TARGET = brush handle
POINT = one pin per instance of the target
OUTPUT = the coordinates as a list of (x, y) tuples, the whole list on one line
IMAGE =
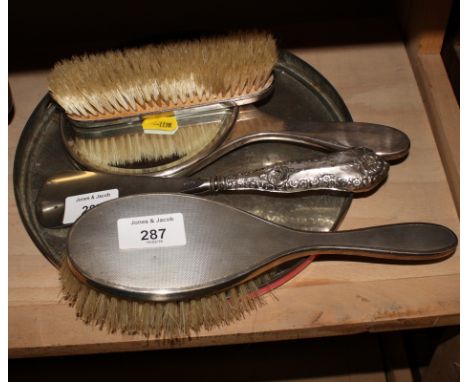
[(354, 170), (405, 241), (389, 143)]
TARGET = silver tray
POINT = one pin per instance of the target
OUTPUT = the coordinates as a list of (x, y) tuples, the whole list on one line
[(301, 95)]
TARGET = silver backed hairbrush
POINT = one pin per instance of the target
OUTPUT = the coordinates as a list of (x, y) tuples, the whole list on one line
[(165, 247), (207, 132), (160, 100)]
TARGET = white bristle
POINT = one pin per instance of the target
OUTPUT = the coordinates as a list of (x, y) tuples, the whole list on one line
[(166, 319), (138, 80), (132, 148)]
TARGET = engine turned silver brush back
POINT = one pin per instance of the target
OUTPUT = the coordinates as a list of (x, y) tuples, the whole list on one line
[(164, 247)]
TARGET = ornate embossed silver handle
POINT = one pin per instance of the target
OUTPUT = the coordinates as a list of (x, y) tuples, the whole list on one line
[(353, 170)]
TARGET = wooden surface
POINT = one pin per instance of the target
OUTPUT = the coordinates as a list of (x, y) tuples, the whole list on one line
[(329, 297), (424, 24), (443, 112)]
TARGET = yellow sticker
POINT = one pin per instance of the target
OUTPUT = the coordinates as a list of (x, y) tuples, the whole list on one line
[(165, 123)]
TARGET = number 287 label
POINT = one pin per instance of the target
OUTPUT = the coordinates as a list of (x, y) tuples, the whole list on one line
[(151, 231)]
